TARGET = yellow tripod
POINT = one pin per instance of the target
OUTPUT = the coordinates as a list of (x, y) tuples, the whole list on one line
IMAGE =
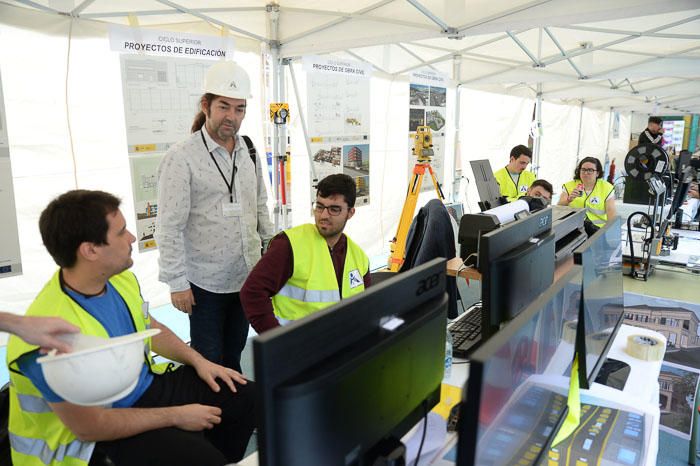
[(422, 149)]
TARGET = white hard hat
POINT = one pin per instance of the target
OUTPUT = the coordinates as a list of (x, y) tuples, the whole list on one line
[(227, 79), (98, 371)]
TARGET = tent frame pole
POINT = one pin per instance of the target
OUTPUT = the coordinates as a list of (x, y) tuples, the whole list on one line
[(538, 136), (580, 124)]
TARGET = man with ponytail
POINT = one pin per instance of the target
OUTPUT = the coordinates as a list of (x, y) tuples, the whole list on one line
[(213, 217)]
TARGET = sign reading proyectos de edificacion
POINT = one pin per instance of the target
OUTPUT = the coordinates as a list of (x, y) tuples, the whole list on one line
[(165, 43)]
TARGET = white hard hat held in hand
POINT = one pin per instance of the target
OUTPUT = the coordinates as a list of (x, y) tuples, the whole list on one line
[(227, 79), (98, 371)]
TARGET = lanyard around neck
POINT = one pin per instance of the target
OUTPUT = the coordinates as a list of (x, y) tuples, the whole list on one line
[(229, 185)]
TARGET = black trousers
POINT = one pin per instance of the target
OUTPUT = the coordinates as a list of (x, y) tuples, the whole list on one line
[(218, 327), (225, 443)]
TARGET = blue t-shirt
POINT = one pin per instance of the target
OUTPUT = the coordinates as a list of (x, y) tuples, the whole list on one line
[(111, 311)]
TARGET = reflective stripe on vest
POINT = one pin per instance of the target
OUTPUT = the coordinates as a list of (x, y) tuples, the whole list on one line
[(41, 450), (33, 404), (313, 285), (309, 296), (38, 435)]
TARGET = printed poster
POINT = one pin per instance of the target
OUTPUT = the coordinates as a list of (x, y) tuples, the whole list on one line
[(428, 107), (10, 260), (338, 109), (679, 322), (161, 97)]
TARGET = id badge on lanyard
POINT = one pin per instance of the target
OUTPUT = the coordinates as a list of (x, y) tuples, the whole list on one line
[(229, 208)]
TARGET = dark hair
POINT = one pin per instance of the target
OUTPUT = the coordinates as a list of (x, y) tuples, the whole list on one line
[(655, 119), (544, 184), (519, 150), (338, 184), (598, 167), (201, 117), (73, 218)]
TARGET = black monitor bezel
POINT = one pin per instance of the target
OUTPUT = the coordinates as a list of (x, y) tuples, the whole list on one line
[(425, 283), (586, 381), (499, 242)]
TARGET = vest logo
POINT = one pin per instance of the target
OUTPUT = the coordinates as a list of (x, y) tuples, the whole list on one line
[(523, 189), (355, 279), (595, 200)]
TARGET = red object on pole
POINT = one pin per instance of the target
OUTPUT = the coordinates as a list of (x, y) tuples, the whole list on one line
[(283, 184)]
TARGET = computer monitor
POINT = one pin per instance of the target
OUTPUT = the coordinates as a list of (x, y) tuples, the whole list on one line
[(683, 162), (516, 396), (603, 306), (486, 185), (516, 263), (341, 385)]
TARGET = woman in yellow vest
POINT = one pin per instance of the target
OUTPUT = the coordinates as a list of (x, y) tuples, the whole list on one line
[(588, 190)]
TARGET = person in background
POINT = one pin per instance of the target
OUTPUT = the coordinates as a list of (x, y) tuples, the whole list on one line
[(311, 266), (654, 132), (162, 420), (213, 217), (611, 175), (589, 190), (39, 331), (513, 180), (542, 189)]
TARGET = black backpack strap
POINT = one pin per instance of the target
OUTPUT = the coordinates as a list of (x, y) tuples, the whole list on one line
[(251, 150)]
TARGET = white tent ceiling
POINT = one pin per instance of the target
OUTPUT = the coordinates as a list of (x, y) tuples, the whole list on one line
[(634, 55)]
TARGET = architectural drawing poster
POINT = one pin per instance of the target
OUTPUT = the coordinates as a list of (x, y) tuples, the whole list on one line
[(338, 109), (161, 97), (428, 107), (10, 260)]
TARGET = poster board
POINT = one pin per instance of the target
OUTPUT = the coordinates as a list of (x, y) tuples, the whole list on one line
[(339, 120), (10, 259)]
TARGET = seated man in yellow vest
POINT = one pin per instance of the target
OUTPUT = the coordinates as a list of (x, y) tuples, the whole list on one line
[(161, 421), (308, 267), (512, 179)]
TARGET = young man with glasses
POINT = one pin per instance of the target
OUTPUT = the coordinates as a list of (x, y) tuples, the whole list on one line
[(589, 190), (311, 266)]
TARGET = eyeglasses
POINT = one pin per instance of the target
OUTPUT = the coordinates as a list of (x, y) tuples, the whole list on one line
[(588, 170), (333, 210)]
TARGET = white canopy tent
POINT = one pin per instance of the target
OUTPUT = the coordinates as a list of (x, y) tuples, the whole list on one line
[(586, 63)]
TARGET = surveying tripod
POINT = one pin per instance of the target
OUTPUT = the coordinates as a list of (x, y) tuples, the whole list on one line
[(422, 149)]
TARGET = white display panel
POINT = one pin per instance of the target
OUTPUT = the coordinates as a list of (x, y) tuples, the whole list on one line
[(10, 259), (338, 109)]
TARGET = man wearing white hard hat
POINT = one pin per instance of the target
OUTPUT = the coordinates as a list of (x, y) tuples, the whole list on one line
[(213, 217), (161, 419)]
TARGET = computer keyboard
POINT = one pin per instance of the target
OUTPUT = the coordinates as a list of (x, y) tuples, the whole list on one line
[(466, 332)]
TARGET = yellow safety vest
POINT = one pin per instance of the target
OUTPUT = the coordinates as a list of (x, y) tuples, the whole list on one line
[(37, 435), (509, 188), (313, 285), (593, 202)]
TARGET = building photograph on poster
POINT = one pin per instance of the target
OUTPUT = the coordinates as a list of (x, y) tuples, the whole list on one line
[(435, 120), (438, 96), (356, 160), (419, 94), (677, 385), (416, 118)]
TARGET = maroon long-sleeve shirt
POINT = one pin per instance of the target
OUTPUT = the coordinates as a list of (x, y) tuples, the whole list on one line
[(270, 274)]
